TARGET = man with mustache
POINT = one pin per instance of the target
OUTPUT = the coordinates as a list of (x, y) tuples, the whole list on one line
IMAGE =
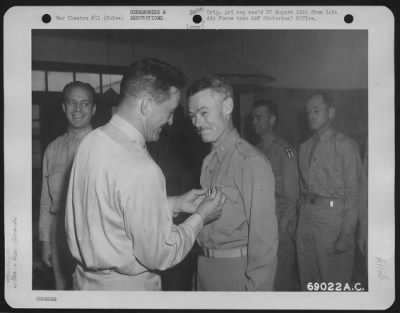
[(330, 166), (239, 250), (79, 107), (118, 217)]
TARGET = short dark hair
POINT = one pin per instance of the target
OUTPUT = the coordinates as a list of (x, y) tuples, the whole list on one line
[(326, 97), (270, 105), (153, 76), (213, 82), (79, 84)]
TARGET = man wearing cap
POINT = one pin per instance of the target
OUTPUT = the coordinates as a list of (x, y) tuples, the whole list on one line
[(238, 250), (329, 165)]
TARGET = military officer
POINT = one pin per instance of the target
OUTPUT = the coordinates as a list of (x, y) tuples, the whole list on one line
[(329, 165), (238, 250), (284, 166)]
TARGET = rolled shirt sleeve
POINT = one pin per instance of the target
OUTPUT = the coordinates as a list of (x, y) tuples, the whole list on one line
[(157, 242), (258, 190)]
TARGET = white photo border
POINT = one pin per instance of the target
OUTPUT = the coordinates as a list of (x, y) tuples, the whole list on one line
[(18, 25)]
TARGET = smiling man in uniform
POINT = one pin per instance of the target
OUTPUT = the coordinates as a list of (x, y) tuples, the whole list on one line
[(239, 249)]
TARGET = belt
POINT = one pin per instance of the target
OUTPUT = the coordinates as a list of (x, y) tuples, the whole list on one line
[(323, 201), (229, 253)]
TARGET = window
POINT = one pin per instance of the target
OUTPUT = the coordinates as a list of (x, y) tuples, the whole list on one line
[(91, 78), (35, 112), (38, 80), (57, 80), (36, 143), (111, 81), (48, 81)]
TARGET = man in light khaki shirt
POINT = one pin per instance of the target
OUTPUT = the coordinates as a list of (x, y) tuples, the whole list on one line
[(79, 108), (118, 217), (239, 250), (330, 166)]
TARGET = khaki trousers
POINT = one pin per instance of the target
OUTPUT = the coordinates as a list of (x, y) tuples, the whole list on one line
[(285, 277), (221, 274), (318, 228), (62, 260)]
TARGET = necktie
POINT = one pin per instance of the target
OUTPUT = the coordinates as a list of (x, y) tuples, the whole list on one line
[(211, 165), (316, 140)]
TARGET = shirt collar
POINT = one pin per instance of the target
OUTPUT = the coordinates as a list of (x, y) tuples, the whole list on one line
[(128, 129), (226, 144), (325, 135), (267, 140), (80, 134)]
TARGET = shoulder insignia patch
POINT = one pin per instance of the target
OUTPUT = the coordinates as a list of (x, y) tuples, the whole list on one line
[(290, 152)]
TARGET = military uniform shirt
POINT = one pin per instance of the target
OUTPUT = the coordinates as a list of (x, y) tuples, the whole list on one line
[(330, 168), (57, 162), (284, 166), (248, 216)]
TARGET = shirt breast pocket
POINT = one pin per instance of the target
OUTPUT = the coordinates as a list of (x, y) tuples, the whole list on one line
[(233, 211), (231, 193)]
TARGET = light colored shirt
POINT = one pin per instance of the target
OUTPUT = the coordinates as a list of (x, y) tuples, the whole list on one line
[(118, 217), (283, 161), (330, 167), (57, 162), (248, 216)]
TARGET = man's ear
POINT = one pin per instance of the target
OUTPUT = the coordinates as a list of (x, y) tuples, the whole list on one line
[(331, 112), (94, 107), (227, 106), (63, 107), (144, 104)]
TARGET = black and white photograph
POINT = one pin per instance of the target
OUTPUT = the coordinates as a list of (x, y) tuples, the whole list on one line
[(201, 162)]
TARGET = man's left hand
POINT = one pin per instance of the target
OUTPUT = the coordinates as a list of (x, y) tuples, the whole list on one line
[(343, 243)]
